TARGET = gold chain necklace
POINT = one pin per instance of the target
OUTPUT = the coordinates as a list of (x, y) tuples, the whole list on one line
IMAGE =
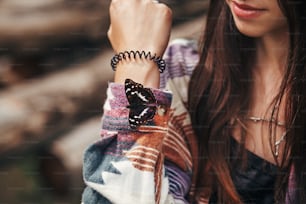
[(277, 143), (258, 119)]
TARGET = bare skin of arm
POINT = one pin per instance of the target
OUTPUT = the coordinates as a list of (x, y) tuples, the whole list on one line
[(142, 25)]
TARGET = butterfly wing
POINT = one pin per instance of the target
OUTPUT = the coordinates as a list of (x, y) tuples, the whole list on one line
[(141, 114), (137, 94), (142, 103)]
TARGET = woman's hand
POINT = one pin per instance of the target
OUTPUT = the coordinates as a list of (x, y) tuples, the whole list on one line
[(139, 25)]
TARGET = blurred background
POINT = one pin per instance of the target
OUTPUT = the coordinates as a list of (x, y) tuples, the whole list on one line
[(54, 69)]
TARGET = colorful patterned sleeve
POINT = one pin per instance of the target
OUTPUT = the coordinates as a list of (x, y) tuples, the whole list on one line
[(151, 164)]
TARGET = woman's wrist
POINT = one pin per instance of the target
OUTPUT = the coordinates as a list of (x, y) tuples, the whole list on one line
[(142, 71)]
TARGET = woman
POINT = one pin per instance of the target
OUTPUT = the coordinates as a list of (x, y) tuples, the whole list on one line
[(245, 102)]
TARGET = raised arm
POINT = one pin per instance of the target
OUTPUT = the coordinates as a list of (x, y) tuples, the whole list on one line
[(151, 163)]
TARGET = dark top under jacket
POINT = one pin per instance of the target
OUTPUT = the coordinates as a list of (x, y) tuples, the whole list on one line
[(255, 181)]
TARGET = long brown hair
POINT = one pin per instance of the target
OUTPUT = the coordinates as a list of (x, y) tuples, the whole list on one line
[(219, 89)]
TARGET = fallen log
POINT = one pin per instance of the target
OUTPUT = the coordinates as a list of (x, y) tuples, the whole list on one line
[(40, 109)]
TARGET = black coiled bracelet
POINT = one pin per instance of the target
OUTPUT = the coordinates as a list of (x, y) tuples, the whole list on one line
[(140, 54)]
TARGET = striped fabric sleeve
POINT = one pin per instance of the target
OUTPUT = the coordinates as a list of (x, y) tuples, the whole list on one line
[(127, 166)]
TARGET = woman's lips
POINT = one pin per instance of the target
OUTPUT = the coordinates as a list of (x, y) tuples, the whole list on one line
[(246, 11)]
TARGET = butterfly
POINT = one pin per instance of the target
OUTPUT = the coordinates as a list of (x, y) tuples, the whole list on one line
[(142, 103)]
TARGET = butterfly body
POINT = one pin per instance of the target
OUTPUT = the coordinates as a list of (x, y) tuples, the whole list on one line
[(142, 103)]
